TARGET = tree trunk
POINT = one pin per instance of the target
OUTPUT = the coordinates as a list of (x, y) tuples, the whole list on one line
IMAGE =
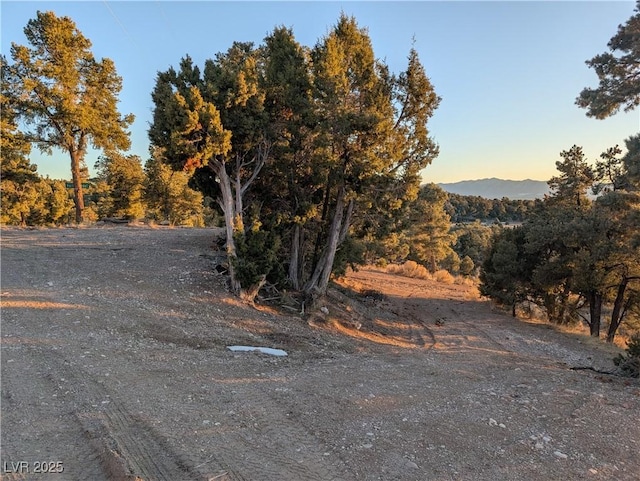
[(564, 300), (238, 199), (346, 222), (550, 306), (249, 295), (616, 314), (433, 266), (323, 218), (595, 312), (294, 259), (320, 278), (230, 218), (78, 197), (232, 192)]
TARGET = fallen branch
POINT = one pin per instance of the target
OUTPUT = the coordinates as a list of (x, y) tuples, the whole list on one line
[(589, 368)]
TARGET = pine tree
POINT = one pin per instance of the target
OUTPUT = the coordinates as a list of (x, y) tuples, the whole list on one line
[(66, 95), (618, 72), (125, 180)]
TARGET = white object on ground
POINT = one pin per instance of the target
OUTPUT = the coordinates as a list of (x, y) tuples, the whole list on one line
[(264, 350)]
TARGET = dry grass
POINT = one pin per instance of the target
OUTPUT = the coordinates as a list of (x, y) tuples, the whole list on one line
[(444, 276), (465, 281), (409, 269), (417, 271)]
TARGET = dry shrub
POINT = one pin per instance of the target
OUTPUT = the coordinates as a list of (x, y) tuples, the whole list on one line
[(464, 281), (393, 269), (444, 276), (472, 294), (409, 269)]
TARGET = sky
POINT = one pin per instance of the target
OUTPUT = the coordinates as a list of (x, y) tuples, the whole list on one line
[(508, 72)]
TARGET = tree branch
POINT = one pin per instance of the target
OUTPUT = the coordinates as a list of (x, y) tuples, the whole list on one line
[(261, 159)]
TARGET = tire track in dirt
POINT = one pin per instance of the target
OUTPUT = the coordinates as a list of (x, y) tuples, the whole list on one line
[(395, 324), (126, 445), (413, 319), (34, 407), (221, 417), (269, 444), (258, 447), (464, 334), (430, 323)]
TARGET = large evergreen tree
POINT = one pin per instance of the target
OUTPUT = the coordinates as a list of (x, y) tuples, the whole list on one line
[(64, 96), (374, 138), (287, 195), (297, 144), (618, 73), (215, 122)]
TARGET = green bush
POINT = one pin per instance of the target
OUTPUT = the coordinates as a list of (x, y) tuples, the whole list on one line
[(349, 254), (629, 364), (256, 252)]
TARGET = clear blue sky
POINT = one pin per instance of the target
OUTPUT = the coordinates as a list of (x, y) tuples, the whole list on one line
[(508, 72)]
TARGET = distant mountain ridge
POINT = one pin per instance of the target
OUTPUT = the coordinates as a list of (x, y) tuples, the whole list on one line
[(498, 188)]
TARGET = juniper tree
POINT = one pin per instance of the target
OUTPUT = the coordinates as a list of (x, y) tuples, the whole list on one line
[(169, 198), (507, 269), (373, 135), (215, 122)]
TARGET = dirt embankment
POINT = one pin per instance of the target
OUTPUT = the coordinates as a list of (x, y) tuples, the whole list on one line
[(115, 366)]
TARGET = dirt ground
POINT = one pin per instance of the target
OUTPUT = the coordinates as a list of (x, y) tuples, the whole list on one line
[(115, 367)]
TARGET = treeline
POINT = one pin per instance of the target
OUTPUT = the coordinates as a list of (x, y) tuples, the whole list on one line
[(468, 208), (573, 256), (423, 232), (123, 189)]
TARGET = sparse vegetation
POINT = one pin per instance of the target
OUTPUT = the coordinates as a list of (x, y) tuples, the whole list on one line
[(629, 363), (123, 340), (409, 269), (417, 271), (443, 276)]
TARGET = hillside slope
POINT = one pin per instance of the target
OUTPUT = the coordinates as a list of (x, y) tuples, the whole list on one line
[(115, 364), (498, 188)]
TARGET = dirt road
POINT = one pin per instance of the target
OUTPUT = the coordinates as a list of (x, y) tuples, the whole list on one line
[(115, 366)]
